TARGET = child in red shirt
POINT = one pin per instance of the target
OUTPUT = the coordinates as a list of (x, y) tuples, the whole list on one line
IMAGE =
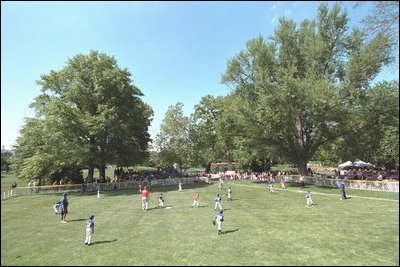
[(145, 198), (196, 200)]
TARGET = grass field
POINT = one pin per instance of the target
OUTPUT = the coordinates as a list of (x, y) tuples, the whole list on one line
[(260, 228)]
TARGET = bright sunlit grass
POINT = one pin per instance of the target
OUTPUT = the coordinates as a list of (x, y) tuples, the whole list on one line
[(260, 228)]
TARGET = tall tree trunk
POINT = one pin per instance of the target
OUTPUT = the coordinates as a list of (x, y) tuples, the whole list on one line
[(102, 173), (301, 164), (90, 174), (208, 167), (301, 146)]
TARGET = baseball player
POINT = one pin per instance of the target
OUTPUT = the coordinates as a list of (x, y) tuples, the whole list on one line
[(309, 199), (229, 194), (218, 200), (301, 180), (98, 191), (282, 182), (218, 219), (63, 207), (342, 190), (180, 186), (221, 184), (160, 201), (271, 187), (56, 207), (196, 200), (145, 198), (89, 230)]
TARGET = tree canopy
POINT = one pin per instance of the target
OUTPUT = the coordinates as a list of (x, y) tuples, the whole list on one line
[(298, 86), (89, 113), (293, 93)]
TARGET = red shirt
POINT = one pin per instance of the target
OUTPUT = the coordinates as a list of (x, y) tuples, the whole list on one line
[(145, 193), (196, 197)]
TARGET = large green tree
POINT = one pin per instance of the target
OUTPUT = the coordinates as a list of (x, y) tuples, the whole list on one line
[(211, 131), (371, 129), (88, 113), (297, 88), (172, 142)]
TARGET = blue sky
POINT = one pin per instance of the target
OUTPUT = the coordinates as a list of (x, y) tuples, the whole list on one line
[(175, 51)]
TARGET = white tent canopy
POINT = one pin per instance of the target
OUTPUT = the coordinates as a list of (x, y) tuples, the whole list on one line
[(346, 164), (361, 163)]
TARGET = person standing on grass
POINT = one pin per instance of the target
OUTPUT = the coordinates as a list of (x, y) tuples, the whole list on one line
[(84, 187), (196, 200), (271, 187), (180, 186), (13, 186), (229, 194), (218, 219), (160, 201), (89, 230), (342, 190), (301, 181), (145, 198), (56, 208), (282, 182), (218, 200), (63, 207), (98, 191), (309, 199), (221, 184)]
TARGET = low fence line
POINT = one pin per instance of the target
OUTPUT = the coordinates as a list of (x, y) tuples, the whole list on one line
[(385, 186), (92, 187)]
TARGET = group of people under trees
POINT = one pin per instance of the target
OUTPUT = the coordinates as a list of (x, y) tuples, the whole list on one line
[(161, 173), (358, 174)]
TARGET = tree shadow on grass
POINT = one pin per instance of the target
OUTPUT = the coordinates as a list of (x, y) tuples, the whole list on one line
[(77, 220), (105, 241), (155, 208), (230, 231)]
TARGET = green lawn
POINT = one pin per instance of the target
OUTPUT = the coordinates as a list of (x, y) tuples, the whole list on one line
[(260, 228)]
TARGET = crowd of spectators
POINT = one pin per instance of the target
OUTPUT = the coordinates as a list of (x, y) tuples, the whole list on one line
[(366, 174), (254, 176), (121, 175)]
